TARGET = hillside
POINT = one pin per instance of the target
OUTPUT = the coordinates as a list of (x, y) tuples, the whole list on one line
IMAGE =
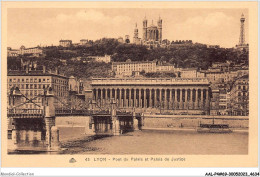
[(192, 55)]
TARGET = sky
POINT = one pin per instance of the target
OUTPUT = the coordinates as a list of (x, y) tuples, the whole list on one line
[(46, 26)]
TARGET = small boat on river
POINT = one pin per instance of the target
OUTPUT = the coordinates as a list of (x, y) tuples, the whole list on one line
[(214, 128)]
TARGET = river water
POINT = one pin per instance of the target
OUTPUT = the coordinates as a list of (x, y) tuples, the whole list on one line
[(153, 142)]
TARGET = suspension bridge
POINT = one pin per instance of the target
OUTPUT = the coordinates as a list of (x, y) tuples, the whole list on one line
[(40, 120)]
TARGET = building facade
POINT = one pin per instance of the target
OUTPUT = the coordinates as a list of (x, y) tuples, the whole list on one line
[(177, 96), (65, 43), (83, 42), (35, 51), (164, 68), (128, 68), (33, 83), (239, 97), (191, 73)]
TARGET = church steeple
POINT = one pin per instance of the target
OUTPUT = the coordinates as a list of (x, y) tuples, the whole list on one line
[(145, 28), (136, 31), (159, 23)]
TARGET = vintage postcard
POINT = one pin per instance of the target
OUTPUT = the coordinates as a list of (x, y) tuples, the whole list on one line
[(129, 84)]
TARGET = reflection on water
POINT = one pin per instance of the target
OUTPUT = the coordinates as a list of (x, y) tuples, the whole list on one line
[(162, 142), (172, 142)]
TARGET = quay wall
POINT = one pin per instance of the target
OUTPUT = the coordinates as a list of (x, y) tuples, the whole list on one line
[(176, 122)]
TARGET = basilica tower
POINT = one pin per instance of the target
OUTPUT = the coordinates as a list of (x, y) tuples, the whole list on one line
[(136, 39), (136, 31), (145, 29), (159, 29)]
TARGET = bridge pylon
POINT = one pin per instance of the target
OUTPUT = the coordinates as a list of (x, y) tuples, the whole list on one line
[(52, 132), (115, 119)]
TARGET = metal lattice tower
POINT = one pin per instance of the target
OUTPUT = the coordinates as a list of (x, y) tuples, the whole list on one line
[(242, 31)]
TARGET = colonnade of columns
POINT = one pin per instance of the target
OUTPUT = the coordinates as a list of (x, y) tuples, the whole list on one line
[(165, 98)]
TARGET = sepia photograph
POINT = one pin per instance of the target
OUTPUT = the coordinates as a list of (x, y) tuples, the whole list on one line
[(103, 80)]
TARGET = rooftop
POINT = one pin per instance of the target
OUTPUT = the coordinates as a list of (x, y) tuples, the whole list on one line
[(149, 81), (32, 73)]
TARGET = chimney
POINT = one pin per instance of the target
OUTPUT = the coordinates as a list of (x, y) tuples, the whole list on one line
[(56, 71), (44, 69), (27, 69)]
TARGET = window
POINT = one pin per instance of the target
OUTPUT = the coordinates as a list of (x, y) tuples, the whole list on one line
[(31, 86), (22, 80), (39, 86), (10, 80), (22, 86), (35, 86), (40, 80), (27, 86)]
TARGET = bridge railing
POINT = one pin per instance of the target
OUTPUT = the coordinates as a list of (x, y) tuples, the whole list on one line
[(25, 113), (60, 112)]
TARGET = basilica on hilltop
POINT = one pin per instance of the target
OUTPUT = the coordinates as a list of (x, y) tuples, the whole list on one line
[(152, 34)]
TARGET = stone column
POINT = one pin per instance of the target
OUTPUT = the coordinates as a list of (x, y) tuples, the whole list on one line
[(135, 104), (140, 99), (130, 98), (120, 97), (155, 98), (196, 98), (160, 99), (101, 97), (175, 99), (116, 96), (125, 100), (186, 99), (150, 98), (105, 99), (94, 94), (145, 99), (201, 99), (111, 94), (207, 102), (170, 100), (181, 102), (165, 98), (191, 99), (107, 95)]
